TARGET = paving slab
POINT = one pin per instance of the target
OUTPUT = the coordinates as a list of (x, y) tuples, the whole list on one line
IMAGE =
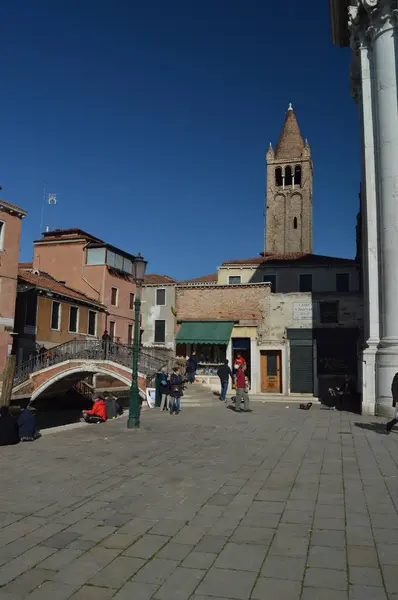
[(211, 505)]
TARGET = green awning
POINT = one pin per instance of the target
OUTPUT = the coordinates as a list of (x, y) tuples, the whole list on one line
[(205, 332)]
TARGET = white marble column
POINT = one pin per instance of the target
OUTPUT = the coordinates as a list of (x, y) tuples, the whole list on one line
[(384, 32), (370, 227)]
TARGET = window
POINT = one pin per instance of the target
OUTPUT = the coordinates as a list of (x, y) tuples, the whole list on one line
[(305, 283), (295, 223), (329, 312), (132, 301), (130, 335), (278, 177), (342, 282), (160, 332), (2, 234), (288, 176), (56, 316), (161, 297), (127, 265), (95, 256), (297, 175), (234, 279), (92, 323), (73, 319), (114, 296), (272, 280), (112, 329)]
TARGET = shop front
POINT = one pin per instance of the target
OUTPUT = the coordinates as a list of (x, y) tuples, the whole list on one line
[(210, 340)]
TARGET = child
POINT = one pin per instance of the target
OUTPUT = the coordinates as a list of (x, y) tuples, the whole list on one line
[(175, 391)]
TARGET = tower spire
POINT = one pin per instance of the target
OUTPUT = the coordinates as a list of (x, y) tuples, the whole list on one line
[(291, 143)]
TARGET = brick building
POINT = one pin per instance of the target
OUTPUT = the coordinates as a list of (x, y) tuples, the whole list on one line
[(98, 270), (49, 313), (10, 229)]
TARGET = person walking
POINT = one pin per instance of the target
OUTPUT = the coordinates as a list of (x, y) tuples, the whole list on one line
[(175, 391), (394, 392), (224, 372), (164, 388), (192, 365), (242, 390)]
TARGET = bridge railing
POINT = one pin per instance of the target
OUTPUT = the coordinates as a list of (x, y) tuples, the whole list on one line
[(93, 350)]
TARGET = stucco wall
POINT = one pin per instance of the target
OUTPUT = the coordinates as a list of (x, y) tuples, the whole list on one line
[(45, 335), (287, 278), (8, 281), (151, 312), (65, 261)]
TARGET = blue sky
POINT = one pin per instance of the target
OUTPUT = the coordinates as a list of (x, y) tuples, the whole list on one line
[(150, 120)]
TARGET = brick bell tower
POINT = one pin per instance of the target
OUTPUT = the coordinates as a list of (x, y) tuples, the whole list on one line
[(288, 226)]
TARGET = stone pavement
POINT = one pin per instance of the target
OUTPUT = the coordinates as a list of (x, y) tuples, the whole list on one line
[(279, 504)]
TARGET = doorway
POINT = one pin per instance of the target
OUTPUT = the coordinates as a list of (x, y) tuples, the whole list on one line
[(271, 371)]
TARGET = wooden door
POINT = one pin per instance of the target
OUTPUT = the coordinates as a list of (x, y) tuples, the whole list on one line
[(271, 372)]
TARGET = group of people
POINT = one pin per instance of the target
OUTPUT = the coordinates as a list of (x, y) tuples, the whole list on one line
[(105, 406), (171, 390), (14, 430), (240, 383)]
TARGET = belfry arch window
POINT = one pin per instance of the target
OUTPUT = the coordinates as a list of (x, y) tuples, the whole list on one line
[(297, 175), (278, 177), (295, 223), (288, 176)]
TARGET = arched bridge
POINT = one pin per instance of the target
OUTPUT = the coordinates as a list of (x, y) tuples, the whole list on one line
[(62, 367)]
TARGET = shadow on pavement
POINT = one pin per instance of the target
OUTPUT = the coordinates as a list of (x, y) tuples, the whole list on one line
[(376, 427)]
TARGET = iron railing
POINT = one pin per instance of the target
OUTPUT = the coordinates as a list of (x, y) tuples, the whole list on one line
[(93, 350)]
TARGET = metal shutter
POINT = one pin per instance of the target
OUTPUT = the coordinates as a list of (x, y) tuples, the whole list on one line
[(301, 369)]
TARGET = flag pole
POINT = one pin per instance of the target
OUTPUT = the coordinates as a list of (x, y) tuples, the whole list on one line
[(42, 210)]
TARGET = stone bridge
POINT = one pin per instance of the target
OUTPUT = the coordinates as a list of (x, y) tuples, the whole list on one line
[(64, 366)]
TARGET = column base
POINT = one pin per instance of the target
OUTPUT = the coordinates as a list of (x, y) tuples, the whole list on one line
[(386, 367), (369, 378)]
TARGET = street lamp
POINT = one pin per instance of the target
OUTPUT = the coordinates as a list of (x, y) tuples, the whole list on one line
[(139, 266)]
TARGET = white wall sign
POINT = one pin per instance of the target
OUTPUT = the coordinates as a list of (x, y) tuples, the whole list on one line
[(302, 310)]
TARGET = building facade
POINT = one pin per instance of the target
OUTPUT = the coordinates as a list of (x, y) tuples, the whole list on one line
[(98, 270), (10, 230), (49, 313), (370, 28), (158, 311), (289, 192)]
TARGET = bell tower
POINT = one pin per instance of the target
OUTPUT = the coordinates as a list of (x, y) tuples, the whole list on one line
[(288, 227)]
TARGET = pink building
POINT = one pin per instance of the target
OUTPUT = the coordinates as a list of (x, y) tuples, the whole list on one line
[(99, 270), (10, 230)]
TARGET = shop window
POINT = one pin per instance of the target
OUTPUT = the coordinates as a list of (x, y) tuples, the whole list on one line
[(278, 177), (114, 296), (56, 316), (92, 323), (73, 319), (160, 332), (342, 282), (160, 297), (329, 312), (234, 279), (306, 283)]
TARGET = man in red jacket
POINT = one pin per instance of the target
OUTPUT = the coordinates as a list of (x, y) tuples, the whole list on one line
[(97, 414), (241, 390)]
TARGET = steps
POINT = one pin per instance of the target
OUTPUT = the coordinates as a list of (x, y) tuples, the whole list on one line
[(198, 395)]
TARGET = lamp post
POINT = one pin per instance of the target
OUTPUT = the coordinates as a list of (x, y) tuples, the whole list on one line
[(139, 266)]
